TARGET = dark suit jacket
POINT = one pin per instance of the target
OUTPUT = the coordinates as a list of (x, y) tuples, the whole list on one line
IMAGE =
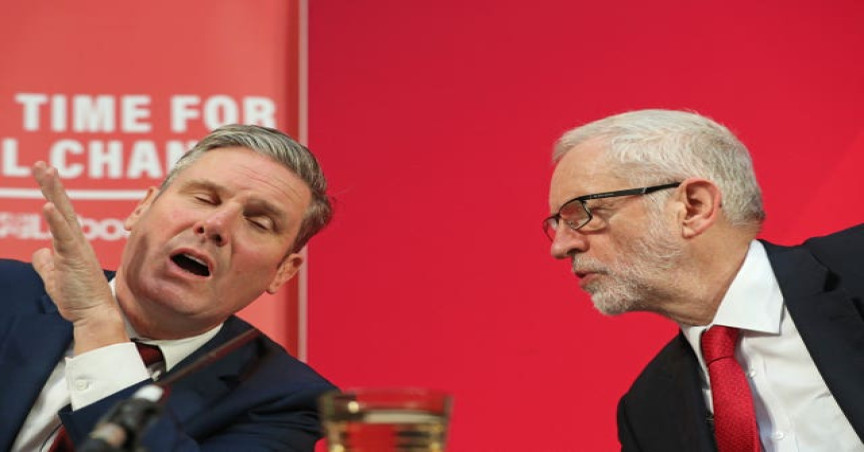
[(822, 282), (256, 398)]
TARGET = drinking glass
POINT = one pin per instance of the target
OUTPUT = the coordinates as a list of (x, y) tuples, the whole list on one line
[(385, 420)]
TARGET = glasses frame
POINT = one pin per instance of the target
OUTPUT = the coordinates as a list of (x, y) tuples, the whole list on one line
[(552, 222)]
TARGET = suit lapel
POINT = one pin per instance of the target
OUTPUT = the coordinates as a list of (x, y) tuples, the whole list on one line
[(194, 393), (666, 403), (32, 345), (830, 323), (685, 402)]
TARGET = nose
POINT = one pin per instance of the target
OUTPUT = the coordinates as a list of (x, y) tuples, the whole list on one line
[(216, 226), (568, 242)]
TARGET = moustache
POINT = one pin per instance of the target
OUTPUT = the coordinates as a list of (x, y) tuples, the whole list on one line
[(584, 264)]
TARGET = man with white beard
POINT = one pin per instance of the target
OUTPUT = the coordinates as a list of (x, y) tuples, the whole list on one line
[(659, 211)]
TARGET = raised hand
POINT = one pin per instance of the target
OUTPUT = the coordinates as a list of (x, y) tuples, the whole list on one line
[(71, 272)]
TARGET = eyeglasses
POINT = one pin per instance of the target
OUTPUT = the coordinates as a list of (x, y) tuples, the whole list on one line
[(576, 214)]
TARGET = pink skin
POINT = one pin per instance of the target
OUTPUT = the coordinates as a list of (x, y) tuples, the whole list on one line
[(235, 211), (71, 273), (581, 172), (618, 259)]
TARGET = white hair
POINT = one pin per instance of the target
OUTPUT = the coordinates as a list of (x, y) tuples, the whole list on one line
[(657, 146)]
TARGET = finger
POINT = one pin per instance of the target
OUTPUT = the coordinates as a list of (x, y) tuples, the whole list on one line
[(65, 235), (58, 212), (53, 191)]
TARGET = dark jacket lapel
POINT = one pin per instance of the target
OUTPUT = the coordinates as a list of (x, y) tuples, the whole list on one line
[(665, 407), (194, 393)]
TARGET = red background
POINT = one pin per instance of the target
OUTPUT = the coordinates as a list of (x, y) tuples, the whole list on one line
[(434, 122)]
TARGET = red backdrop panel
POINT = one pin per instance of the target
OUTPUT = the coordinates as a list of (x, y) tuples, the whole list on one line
[(112, 93), (435, 121)]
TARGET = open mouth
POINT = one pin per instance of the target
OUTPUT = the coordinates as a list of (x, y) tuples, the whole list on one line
[(191, 264)]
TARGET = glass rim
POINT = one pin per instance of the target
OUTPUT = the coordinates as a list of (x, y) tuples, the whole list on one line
[(364, 398)]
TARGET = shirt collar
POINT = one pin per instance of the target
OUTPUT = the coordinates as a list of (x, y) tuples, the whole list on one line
[(753, 301)]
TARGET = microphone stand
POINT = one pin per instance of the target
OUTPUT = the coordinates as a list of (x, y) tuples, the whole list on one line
[(122, 426)]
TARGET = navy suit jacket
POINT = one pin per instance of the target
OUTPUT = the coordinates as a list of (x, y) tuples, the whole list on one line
[(256, 398), (822, 282)]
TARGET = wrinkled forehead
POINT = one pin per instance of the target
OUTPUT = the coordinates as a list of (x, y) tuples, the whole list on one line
[(582, 170)]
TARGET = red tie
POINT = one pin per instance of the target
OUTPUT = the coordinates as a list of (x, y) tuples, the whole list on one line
[(734, 419), (150, 354)]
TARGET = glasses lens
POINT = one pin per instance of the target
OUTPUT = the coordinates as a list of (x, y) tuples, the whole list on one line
[(574, 214)]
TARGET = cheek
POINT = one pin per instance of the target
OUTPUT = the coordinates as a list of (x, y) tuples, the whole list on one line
[(605, 248), (163, 216), (178, 216), (616, 253), (259, 260)]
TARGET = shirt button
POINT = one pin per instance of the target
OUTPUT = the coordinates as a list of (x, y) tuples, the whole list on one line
[(751, 373), (778, 436), (81, 385)]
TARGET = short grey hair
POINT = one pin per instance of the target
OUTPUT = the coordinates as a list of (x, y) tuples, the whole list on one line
[(657, 146), (282, 149)]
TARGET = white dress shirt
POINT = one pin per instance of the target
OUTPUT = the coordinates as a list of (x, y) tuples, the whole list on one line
[(87, 378), (794, 408)]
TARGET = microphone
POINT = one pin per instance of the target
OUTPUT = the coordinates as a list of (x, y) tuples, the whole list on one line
[(122, 427), (119, 430)]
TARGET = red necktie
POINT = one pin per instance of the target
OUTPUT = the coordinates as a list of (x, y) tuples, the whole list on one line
[(734, 418), (150, 354)]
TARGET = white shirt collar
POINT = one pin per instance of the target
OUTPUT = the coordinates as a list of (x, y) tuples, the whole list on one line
[(753, 301)]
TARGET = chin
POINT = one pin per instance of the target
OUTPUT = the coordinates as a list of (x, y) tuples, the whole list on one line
[(611, 309), (168, 298), (612, 304)]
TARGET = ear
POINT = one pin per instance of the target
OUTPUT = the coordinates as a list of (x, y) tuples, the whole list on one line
[(142, 207), (287, 269), (702, 201)]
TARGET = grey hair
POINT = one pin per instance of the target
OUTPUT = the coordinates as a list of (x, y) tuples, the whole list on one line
[(283, 150), (656, 146)]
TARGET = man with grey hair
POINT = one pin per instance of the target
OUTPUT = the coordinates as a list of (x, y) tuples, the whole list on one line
[(228, 224), (658, 211)]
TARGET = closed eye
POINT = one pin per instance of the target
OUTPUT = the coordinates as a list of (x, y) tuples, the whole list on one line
[(263, 224), (206, 199)]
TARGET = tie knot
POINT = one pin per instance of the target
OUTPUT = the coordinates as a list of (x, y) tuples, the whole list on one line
[(150, 354), (719, 342)]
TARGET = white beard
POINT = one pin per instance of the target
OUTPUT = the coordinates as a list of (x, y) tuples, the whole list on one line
[(631, 282)]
